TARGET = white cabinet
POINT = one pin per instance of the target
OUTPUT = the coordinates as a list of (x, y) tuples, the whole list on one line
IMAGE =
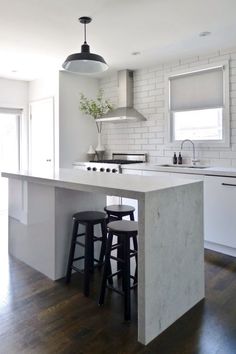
[(220, 210)]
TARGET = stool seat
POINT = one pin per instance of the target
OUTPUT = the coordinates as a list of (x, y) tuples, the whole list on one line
[(91, 216), (123, 226), (119, 208)]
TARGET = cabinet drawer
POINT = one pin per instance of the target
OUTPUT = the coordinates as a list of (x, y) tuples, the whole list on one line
[(220, 210)]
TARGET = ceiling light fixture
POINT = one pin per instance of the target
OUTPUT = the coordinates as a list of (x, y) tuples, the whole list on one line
[(85, 62)]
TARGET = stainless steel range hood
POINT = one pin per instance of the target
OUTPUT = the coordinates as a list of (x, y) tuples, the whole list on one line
[(125, 111)]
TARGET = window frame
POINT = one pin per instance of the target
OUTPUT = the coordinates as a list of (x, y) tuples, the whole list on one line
[(18, 112), (225, 142)]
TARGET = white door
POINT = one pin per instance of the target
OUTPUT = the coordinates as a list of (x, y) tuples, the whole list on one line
[(42, 134)]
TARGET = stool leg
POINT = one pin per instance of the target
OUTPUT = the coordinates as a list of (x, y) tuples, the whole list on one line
[(108, 217), (126, 276), (104, 240), (91, 248), (119, 253), (87, 260), (106, 270), (72, 251), (131, 215), (136, 259)]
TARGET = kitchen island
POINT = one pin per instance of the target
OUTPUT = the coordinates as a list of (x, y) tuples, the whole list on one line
[(170, 217)]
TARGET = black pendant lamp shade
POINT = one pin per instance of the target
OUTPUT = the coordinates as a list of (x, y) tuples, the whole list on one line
[(85, 62)]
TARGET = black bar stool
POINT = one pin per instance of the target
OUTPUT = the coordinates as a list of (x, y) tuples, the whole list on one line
[(124, 230), (89, 219), (118, 211)]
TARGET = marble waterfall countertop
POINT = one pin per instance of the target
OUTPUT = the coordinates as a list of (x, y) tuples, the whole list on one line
[(170, 236), (199, 170), (132, 186)]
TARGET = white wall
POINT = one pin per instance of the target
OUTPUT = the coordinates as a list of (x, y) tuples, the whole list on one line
[(46, 87), (150, 98), (14, 94), (77, 131)]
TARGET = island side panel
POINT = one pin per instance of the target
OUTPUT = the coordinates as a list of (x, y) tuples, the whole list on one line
[(40, 223), (171, 257), (68, 202), (31, 225)]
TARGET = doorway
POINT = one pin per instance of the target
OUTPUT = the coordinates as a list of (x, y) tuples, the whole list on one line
[(10, 122)]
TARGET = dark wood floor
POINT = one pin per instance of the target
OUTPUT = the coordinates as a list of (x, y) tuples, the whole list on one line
[(44, 317)]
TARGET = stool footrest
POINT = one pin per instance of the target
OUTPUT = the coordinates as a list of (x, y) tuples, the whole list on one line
[(82, 234), (114, 274), (77, 269), (78, 258), (80, 243), (114, 247), (117, 259)]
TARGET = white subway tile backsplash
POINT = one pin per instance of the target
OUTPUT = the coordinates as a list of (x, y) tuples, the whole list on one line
[(148, 147), (141, 141), (150, 98), (148, 135)]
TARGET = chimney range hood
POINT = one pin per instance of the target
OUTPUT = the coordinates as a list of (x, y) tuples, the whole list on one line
[(125, 111)]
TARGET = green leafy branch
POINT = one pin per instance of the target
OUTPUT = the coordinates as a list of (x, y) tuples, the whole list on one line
[(95, 108)]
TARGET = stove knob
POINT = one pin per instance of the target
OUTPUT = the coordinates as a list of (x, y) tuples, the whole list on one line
[(94, 169), (102, 169), (89, 168), (114, 170), (108, 170)]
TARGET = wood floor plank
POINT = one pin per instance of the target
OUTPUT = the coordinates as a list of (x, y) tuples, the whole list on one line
[(39, 316)]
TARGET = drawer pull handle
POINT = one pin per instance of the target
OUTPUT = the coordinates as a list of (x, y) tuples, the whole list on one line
[(228, 184)]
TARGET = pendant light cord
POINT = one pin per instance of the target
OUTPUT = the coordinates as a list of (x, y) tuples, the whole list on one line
[(85, 32)]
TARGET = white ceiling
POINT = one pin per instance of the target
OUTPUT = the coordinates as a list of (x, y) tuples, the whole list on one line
[(37, 35)]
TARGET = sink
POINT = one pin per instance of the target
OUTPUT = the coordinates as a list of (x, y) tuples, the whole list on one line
[(183, 166)]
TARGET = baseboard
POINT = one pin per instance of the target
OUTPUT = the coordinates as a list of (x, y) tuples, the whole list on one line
[(220, 248)]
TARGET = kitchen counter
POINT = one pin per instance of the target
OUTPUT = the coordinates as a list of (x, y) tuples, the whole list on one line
[(206, 171), (170, 216), (112, 184)]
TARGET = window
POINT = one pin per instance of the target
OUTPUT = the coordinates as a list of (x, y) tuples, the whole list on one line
[(198, 105)]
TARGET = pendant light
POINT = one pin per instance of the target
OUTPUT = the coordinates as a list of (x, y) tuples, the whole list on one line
[(85, 62)]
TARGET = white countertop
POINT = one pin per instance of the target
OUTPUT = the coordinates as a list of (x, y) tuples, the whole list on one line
[(132, 186), (208, 171)]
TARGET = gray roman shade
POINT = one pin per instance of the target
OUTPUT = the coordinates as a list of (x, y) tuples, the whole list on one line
[(197, 90)]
